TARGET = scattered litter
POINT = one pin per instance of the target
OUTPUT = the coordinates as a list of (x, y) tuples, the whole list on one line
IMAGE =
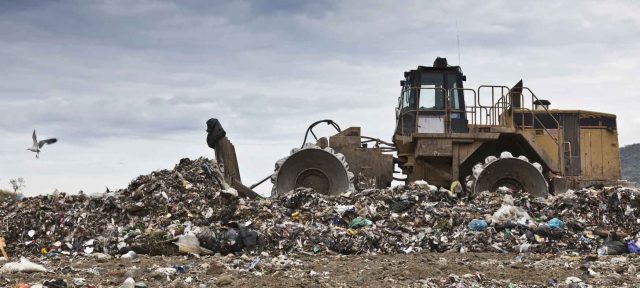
[(360, 222), (128, 283), (23, 266), (189, 244), (55, 283), (130, 255), (555, 223), (169, 212), (254, 263), (477, 225), (632, 246), (79, 282)]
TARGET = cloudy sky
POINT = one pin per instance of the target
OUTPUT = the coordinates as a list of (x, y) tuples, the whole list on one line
[(127, 86)]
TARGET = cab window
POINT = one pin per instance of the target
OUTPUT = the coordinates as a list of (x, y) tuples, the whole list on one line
[(455, 94), (431, 94), (407, 98)]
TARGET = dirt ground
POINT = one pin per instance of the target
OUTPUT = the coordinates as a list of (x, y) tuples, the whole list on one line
[(402, 270)]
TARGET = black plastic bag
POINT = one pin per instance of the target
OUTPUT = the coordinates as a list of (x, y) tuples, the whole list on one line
[(214, 132)]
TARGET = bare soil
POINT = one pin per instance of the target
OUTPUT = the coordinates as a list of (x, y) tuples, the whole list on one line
[(401, 270)]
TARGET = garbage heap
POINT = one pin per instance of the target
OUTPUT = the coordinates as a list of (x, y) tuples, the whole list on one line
[(191, 210), (146, 215)]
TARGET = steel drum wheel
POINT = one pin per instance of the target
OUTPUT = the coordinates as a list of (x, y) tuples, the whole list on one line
[(517, 174), (312, 167)]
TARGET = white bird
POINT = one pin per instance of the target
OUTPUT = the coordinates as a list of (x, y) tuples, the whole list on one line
[(37, 145)]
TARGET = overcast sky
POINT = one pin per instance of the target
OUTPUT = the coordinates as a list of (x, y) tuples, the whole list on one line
[(127, 86)]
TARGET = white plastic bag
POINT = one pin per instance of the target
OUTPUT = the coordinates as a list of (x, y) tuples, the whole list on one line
[(509, 212), (23, 266), (189, 244)]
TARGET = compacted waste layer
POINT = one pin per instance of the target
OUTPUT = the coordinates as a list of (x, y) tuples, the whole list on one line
[(191, 210)]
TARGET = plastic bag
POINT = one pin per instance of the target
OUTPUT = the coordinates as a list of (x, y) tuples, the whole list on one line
[(360, 222), (508, 212), (189, 244), (215, 132), (632, 246), (555, 223), (477, 225), (23, 266)]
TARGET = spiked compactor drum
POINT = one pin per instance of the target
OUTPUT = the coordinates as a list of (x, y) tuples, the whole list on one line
[(312, 167), (517, 174)]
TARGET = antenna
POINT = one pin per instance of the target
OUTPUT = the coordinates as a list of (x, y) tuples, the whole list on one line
[(458, 38)]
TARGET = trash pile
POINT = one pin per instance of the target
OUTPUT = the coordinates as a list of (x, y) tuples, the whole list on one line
[(145, 216), (191, 210)]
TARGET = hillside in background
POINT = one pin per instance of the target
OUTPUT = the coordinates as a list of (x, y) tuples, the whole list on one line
[(630, 162), (4, 194)]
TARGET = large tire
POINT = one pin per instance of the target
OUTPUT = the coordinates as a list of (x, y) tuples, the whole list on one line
[(507, 171)]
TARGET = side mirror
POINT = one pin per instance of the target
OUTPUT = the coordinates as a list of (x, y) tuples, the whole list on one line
[(397, 113)]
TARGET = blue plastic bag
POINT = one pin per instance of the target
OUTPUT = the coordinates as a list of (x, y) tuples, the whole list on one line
[(477, 225), (633, 247), (555, 223)]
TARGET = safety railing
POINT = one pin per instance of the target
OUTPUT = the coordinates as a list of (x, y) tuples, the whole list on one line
[(534, 119), (500, 112), (478, 110), (497, 108)]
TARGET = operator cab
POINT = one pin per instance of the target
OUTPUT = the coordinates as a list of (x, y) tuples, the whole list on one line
[(432, 100)]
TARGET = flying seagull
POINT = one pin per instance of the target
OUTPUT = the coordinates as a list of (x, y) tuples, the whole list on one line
[(37, 145)]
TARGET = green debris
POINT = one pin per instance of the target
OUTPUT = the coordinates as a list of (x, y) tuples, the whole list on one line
[(360, 222)]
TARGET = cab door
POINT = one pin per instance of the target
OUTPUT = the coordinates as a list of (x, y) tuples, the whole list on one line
[(432, 103)]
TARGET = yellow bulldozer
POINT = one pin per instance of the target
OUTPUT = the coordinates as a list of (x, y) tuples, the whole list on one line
[(471, 140)]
